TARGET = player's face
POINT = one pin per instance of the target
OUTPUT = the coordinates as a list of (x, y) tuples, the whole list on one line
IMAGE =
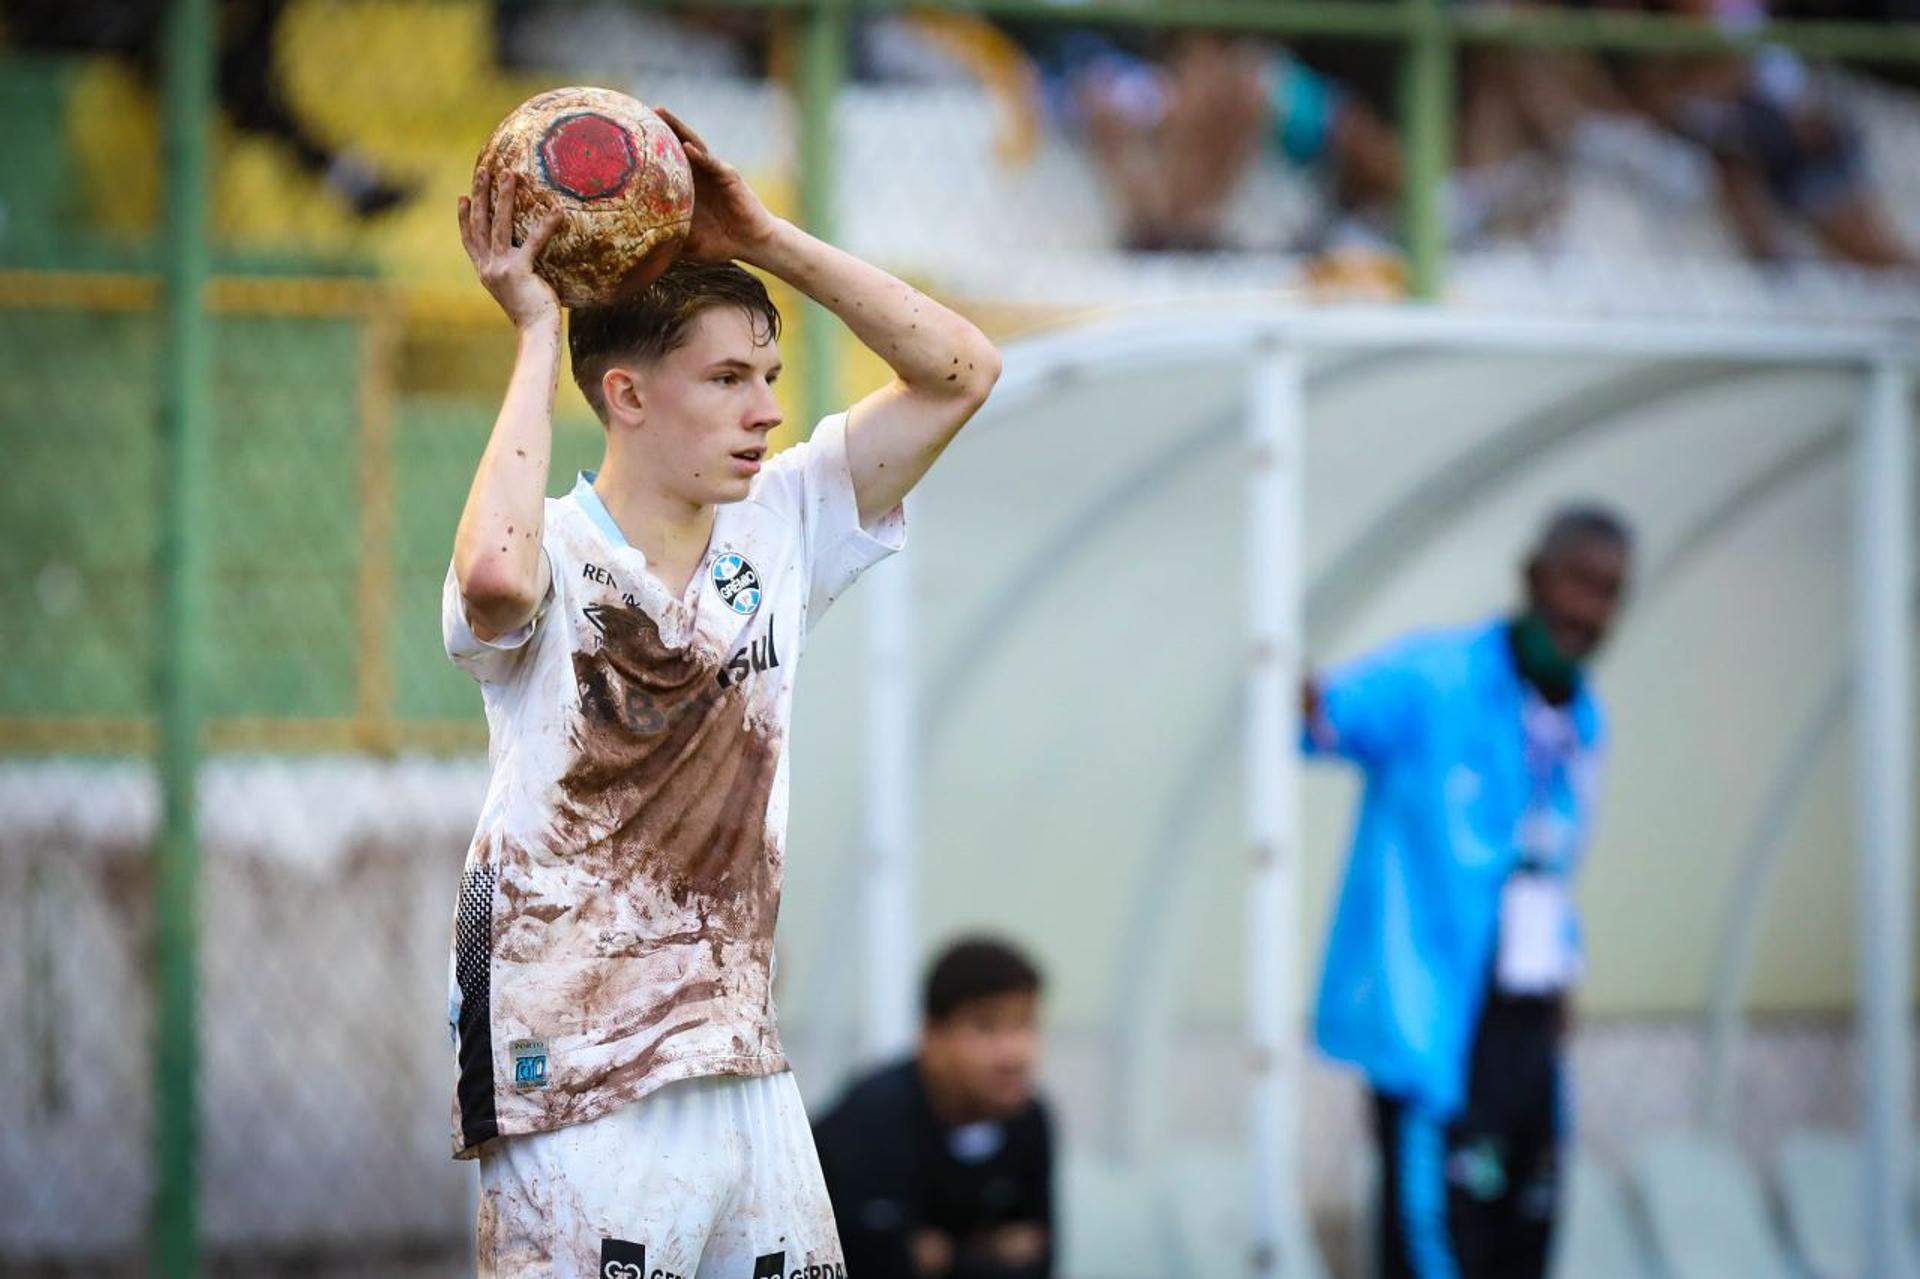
[(1577, 590), (987, 1050), (709, 406)]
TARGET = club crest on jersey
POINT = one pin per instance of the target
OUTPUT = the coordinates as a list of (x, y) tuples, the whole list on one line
[(737, 583)]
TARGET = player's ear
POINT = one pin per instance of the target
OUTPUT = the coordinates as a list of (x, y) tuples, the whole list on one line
[(620, 388)]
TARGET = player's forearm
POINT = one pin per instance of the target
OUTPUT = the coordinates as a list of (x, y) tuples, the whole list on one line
[(497, 554), (936, 352)]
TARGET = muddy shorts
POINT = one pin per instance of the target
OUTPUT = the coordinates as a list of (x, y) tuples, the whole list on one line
[(712, 1178)]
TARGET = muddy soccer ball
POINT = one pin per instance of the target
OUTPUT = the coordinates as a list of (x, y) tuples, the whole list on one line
[(619, 174)]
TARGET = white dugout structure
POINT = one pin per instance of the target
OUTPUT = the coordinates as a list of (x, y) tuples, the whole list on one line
[(1254, 381)]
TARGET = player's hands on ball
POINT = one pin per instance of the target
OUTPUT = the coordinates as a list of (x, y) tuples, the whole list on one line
[(506, 268), (729, 221)]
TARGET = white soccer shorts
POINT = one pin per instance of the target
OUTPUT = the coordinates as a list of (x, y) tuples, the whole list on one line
[(712, 1178)]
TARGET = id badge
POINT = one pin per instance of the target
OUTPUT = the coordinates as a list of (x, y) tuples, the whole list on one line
[(1536, 935)]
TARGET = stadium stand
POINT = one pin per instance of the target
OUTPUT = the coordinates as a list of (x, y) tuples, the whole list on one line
[(1111, 1222), (1205, 1187), (1599, 1237), (1708, 1211), (1817, 1171), (1030, 223)]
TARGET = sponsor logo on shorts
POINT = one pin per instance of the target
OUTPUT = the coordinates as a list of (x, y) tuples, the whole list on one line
[(622, 1260), (737, 583), (774, 1266), (529, 1064)]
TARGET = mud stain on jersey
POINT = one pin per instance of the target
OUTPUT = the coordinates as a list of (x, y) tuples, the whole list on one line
[(623, 1000), (671, 780), (583, 1087)]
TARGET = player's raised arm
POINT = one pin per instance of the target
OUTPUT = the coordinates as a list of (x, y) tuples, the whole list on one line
[(497, 553), (943, 366)]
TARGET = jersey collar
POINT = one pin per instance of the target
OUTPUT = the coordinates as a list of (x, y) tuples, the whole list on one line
[(596, 510)]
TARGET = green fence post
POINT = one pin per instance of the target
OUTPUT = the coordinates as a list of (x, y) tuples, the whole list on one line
[(179, 568), (1426, 122), (823, 69)]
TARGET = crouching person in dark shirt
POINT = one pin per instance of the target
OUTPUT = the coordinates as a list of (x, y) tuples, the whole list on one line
[(941, 1165)]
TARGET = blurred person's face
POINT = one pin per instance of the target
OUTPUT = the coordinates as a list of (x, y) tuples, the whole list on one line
[(700, 414), (1576, 590), (981, 1059)]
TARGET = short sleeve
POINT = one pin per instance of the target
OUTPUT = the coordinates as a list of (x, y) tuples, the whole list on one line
[(490, 661), (1370, 708), (838, 547)]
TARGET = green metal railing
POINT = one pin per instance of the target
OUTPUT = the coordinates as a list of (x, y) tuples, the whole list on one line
[(180, 567), (1428, 34), (824, 69)]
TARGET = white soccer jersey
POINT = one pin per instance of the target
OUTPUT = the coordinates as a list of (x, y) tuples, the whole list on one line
[(616, 916)]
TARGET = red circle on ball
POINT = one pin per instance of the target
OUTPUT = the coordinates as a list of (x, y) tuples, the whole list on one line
[(587, 156)]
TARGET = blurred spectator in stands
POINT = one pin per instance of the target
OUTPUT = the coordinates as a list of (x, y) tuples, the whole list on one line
[(1318, 124), (942, 1164), (1785, 149), (1171, 121), (1529, 115), (249, 89), (1174, 121)]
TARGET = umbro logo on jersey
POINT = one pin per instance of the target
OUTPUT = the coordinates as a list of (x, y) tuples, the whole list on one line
[(737, 583), (622, 1260)]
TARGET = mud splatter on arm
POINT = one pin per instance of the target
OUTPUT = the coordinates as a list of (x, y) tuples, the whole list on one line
[(943, 366), (498, 558)]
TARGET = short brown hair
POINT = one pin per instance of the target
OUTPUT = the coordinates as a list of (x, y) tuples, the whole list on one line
[(976, 968), (656, 320)]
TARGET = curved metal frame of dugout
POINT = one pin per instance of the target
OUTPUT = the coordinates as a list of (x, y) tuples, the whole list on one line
[(1275, 342)]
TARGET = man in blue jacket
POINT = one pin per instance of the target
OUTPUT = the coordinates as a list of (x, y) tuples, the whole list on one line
[(1455, 945)]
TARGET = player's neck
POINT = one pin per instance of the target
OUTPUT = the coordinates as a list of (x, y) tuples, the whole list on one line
[(1540, 663), (669, 530), (951, 1106)]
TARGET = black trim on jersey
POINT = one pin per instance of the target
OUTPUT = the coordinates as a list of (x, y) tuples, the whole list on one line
[(473, 961)]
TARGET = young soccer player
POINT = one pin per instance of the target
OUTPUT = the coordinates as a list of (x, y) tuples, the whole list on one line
[(621, 1078)]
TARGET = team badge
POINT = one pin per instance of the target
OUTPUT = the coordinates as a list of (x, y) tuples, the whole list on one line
[(737, 583)]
